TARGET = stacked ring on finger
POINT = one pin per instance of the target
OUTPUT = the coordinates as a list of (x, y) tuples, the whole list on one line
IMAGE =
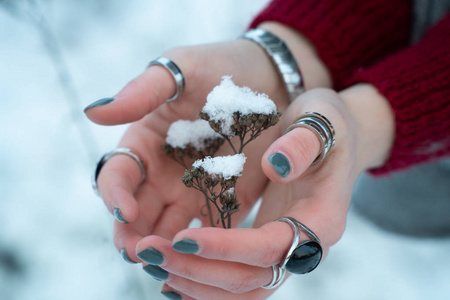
[(175, 71), (301, 258), (104, 159), (321, 127)]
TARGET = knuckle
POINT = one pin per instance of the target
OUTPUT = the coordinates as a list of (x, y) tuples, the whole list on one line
[(304, 149), (187, 272), (241, 284), (269, 256)]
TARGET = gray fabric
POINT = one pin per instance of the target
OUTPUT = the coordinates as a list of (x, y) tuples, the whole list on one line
[(427, 13), (414, 202)]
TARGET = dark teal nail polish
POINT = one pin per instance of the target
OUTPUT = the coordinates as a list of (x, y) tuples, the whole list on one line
[(186, 246), (151, 256), (118, 216), (100, 102), (125, 257), (280, 163), (156, 272), (171, 295)]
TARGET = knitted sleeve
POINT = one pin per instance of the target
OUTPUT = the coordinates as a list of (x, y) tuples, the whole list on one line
[(347, 34), (416, 81)]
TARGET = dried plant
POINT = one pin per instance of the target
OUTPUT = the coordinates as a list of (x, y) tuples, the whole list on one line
[(216, 186)]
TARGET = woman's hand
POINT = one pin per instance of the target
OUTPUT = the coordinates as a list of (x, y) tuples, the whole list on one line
[(162, 205), (213, 263)]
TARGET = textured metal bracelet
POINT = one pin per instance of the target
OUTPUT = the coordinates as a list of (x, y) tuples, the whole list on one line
[(283, 59)]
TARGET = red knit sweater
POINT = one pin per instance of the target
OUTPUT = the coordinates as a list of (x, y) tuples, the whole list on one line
[(366, 41)]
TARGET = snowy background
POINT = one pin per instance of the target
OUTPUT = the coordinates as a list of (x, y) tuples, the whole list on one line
[(56, 57)]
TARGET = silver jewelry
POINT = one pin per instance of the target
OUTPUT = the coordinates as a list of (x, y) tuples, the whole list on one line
[(279, 271), (277, 277), (308, 253), (104, 159), (321, 127), (282, 57), (175, 71)]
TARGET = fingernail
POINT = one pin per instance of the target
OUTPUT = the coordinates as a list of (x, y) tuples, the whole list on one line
[(186, 246), (100, 102), (156, 272), (118, 216), (171, 295), (125, 257), (151, 256), (280, 163)]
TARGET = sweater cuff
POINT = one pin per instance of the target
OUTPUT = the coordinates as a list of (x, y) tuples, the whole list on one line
[(416, 83), (348, 34)]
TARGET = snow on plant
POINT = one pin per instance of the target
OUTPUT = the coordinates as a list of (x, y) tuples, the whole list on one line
[(230, 112)]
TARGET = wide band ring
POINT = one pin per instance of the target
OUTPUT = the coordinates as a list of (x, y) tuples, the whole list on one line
[(303, 257), (175, 71), (283, 59), (321, 127), (104, 159)]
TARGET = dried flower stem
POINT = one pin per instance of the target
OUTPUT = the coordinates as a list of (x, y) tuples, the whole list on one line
[(246, 128)]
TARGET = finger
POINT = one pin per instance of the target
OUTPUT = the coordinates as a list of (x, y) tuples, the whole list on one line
[(200, 291), (262, 247), (294, 152), (290, 155), (170, 293), (139, 97), (166, 264), (127, 236), (175, 218), (117, 182), (125, 240)]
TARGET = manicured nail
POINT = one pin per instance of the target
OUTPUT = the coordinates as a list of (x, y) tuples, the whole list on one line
[(280, 163), (100, 102), (151, 256), (118, 216), (171, 295), (125, 257), (186, 246), (156, 272)]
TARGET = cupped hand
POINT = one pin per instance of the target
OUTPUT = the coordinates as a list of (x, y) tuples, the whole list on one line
[(162, 205), (214, 263)]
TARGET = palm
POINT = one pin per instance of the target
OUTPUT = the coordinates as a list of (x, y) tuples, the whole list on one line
[(163, 205)]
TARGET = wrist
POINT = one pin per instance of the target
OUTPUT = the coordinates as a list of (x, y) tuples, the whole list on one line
[(375, 124), (314, 72)]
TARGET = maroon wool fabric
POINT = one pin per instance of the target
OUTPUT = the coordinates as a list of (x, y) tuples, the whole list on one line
[(361, 41), (348, 34), (416, 81)]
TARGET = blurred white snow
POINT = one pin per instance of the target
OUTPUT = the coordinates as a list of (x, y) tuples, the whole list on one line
[(55, 235)]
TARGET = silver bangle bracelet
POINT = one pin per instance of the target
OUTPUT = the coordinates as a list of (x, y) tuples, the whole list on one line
[(283, 59)]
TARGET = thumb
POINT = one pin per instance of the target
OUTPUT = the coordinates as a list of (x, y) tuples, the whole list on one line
[(290, 155), (139, 97), (294, 152)]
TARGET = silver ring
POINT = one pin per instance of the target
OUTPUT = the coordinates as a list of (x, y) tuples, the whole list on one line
[(321, 127), (312, 246), (175, 71), (281, 57), (104, 159), (277, 277), (279, 271)]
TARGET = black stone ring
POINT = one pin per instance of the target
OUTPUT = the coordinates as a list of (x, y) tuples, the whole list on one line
[(302, 257)]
